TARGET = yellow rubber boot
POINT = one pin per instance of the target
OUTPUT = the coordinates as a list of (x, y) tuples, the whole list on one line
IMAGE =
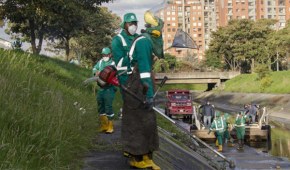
[(104, 123), (220, 148), (110, 127), (230, 144), (150, 162), (216, 143), (138, 164)]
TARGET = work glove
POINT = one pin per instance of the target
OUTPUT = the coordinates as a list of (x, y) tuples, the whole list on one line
[(149, 104)]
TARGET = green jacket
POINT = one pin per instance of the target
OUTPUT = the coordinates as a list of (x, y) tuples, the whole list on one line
[(121, 45), (218, 124), (141, 56), (240, 121), (101, 64)]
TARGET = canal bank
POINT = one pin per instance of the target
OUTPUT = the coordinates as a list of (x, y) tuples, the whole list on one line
[(278, 107)]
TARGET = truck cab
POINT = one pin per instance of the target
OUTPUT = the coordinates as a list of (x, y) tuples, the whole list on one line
[(179, 104)]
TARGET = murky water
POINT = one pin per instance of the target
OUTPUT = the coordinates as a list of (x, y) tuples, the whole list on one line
[(279, 145), (280, 142)]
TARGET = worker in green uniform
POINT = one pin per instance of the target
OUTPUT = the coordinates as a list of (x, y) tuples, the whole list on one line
[(240, 128), (139, 129), (218, 126), (121, 45), (106, 94), (228, 139)]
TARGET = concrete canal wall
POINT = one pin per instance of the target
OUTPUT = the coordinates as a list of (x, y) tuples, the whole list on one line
[(278, 105)]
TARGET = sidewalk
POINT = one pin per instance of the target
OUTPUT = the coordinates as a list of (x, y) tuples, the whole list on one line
[(108, 154)]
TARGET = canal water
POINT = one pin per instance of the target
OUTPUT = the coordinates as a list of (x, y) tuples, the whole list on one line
[(279, 145), (280, 142)]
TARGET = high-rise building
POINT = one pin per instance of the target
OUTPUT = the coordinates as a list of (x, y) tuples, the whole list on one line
[(199, 17)]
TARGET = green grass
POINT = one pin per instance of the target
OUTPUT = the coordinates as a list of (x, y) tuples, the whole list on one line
[(41, 128), (200, 87), (248, 83)]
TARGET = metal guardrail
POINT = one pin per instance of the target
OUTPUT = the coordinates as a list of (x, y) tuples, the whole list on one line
[(197, 142)]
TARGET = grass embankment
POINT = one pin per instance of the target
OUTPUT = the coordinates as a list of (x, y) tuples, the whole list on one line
[(41, 128), (249, 83), (199, 87)]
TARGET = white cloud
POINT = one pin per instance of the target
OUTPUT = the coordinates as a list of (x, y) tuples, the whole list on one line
[(121, 7)]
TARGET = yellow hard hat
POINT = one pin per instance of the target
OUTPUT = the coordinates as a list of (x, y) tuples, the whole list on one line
[(150, 19)]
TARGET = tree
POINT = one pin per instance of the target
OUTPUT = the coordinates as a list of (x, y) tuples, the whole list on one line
[(171, 60), (100, 30), (242, 41), (278, 45), (36, 20)]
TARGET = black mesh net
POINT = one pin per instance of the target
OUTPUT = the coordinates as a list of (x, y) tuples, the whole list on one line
[(183, 40)]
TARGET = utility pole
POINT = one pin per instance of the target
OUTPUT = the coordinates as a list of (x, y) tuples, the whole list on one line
[(183, 15), (277, 60)]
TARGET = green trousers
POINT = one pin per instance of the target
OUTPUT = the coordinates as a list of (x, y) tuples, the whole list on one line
[(219, 135), (105, 99), (227, 134), (240, 133)]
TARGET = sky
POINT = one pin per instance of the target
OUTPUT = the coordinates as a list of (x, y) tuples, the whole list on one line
[(121, 7)]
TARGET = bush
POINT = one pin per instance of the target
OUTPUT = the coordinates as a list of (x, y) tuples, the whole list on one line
[(262, 71), (265, 82)]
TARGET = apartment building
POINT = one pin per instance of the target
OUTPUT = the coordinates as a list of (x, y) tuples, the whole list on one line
[(199, 17)]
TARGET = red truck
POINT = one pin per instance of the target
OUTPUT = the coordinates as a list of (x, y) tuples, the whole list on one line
[(179, 104)]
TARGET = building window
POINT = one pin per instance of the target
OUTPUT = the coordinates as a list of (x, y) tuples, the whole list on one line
[(199, 29), (173, 18), (173, 29), (168, 25), (193, 7), (173, 24), (199, 35), (282, 17), (173, 13), (173, 8), (168, 12), (168, 30), (282, 24), (199, 24)]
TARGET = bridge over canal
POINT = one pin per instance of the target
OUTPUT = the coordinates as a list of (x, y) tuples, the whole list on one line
[(213, 79)]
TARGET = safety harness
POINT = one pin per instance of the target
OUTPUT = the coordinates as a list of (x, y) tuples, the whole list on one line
[(120, 66), (222, 127), (242, 123)]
